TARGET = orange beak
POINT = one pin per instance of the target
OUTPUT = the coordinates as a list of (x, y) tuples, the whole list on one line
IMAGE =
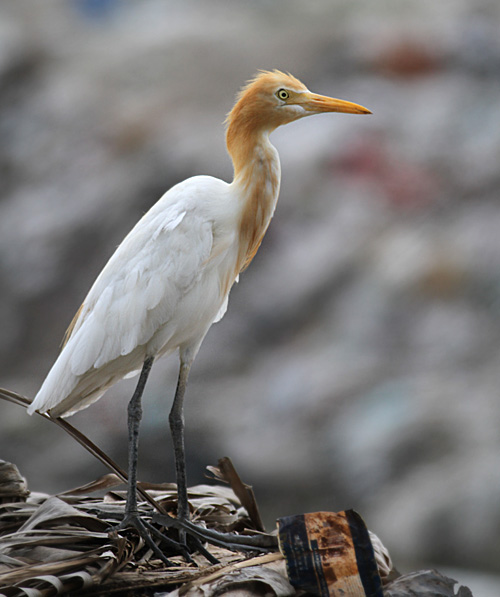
[(312, 102)]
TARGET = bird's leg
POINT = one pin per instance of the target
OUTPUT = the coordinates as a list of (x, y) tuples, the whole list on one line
[(134, 420), (176, 420), (132, 518)]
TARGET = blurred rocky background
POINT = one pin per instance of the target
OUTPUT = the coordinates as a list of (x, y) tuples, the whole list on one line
[(359, 362)]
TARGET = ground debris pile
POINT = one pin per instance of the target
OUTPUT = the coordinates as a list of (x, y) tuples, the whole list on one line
[(50, 545), (55, 545)]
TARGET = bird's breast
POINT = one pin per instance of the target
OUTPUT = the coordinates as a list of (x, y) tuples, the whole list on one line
[(258, 208)]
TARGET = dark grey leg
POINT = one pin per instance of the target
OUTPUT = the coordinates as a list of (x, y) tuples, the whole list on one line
[(132, 518), (134, 420), (176, 420)]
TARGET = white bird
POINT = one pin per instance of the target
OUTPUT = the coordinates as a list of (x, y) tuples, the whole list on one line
[(170, 278)]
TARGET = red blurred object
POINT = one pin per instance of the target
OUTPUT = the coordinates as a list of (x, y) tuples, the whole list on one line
[(404, 183), (407, 58)]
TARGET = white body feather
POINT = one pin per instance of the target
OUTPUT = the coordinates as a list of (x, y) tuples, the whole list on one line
[(161, 290)]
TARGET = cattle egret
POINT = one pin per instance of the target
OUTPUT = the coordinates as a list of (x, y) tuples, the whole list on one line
[(169, 280)]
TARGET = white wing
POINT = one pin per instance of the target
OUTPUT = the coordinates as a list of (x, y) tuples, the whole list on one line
[(137, 293), (140, 287)]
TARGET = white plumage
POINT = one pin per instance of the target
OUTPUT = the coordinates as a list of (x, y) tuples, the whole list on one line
[(161, 290)]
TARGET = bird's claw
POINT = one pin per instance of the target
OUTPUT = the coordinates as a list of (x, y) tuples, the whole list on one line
[(147, 531), (231, 541)]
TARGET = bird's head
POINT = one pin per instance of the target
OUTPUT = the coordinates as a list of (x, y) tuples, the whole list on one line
[(273, 98)]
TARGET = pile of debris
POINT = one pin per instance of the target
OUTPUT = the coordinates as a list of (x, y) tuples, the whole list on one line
[(52, 545)]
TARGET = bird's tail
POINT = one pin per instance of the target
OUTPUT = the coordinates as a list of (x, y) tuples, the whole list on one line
[(58, 384)]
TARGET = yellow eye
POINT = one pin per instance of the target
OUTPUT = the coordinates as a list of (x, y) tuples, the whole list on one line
[(282, 94)]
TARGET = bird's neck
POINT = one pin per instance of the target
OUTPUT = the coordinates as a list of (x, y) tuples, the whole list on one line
[(257, 180)]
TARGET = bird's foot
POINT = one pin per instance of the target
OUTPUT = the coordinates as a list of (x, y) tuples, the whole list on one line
[(191, 538), (153, 538), (231, 541)]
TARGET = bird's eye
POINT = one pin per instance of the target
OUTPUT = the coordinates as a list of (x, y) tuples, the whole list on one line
[(282, 94)]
